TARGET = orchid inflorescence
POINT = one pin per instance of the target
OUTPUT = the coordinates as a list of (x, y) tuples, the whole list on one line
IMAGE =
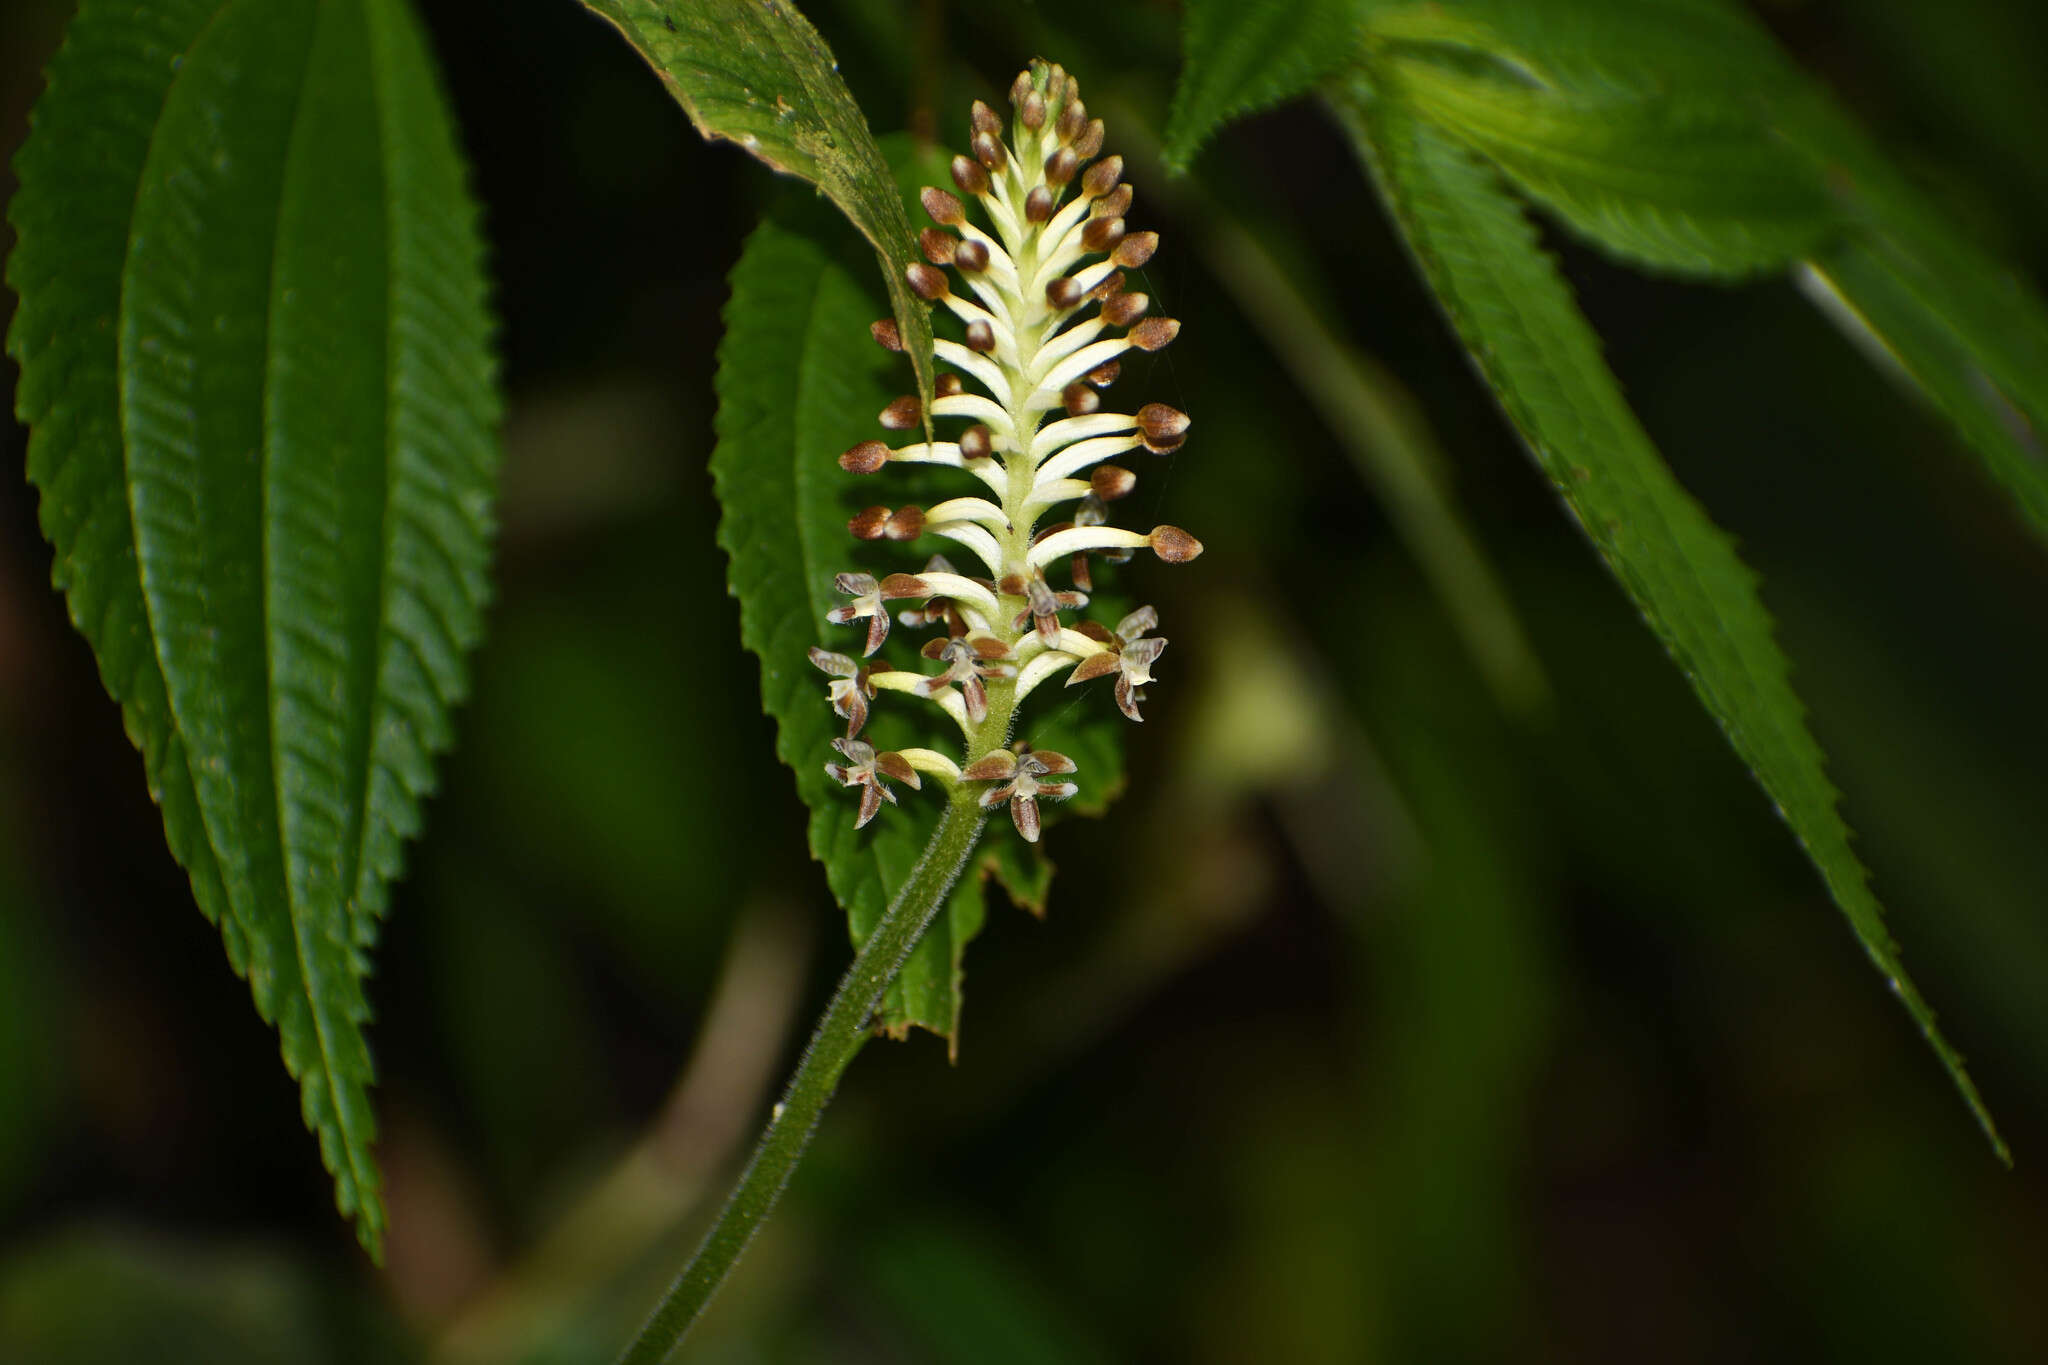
[(1043, 334)]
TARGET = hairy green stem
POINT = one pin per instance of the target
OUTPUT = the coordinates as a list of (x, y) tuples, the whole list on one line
[(840, 1033)]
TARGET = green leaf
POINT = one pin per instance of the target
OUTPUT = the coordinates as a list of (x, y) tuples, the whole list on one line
[(1674, 134), (1534, 348), (759, 75), (255, 364), (1624, 46), (1671, 154), (1242, 56), (1962, 327)]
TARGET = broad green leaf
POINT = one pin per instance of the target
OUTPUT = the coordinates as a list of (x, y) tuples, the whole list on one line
[(1535, 350), (1242, 56), (759, 75), (255, 365)]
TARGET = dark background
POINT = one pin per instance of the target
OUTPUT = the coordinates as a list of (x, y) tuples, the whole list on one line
[(1377, 1023)]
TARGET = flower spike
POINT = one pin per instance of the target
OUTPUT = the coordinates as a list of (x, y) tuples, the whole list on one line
[(1032, 250)]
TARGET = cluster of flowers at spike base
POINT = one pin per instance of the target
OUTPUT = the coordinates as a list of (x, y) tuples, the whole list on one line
[(1047, 317)]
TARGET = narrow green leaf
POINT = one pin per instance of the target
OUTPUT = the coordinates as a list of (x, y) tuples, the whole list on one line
[(255, 363), (1534, 348), (1669, 183), (1242, 56), (1656, 154), (1968, 331), (759, 75), (1675, 134), (1970, 361), (1625, 46)]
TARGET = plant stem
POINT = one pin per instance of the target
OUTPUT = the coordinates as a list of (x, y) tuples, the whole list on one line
[(840, 1033)]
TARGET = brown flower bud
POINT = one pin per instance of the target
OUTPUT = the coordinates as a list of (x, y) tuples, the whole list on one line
[(1102, 177), (971, 255), (869, 524), (975, 443), (1031, 113), (1103, 375), (906, 524), (1102, 234), (865, 458), (1154, 333), (1064, 292), (1073, 118), (938, 247), (942, 207), (904, 585), (969, 176), (1020, 87), (982, 119), (946, 385), (1174, 545), (1038, 204), (927, 282), (1115, 204), (1111, 481), (1163, 429), (1136, 249), (883, 330), (902, 414), (1079, 400), (1090, 141), (988, 150), (1121, 310), (1060, 166), (981, 337)]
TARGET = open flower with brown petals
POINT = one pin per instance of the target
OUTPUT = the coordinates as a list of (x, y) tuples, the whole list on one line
[(864, 768), (1127, 652), (1017, 776), (868, 596), (852, 686)]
